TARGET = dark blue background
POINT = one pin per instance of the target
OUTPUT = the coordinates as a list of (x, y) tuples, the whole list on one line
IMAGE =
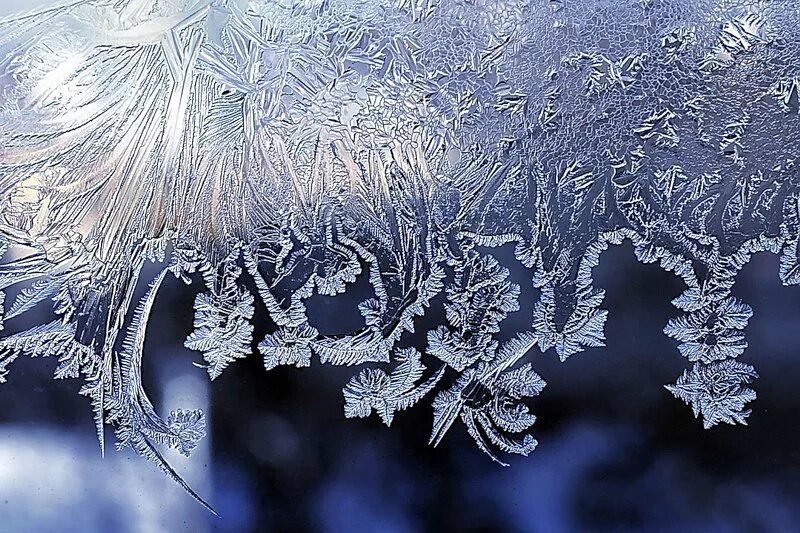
[(616, 451)]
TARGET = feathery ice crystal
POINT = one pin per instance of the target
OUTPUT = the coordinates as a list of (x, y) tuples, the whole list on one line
[(277, 151)]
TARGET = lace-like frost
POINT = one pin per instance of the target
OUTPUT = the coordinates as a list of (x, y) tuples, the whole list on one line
[(279, 152)]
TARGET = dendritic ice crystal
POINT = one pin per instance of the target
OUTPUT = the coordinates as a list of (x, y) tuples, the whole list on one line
[(274, 152)]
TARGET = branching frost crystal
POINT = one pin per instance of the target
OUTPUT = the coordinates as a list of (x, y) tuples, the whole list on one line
[(280, 151)]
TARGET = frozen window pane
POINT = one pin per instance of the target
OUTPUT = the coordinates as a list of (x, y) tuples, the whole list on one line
[(280, 153)]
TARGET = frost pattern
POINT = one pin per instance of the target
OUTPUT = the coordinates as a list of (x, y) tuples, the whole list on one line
[(278, 152)]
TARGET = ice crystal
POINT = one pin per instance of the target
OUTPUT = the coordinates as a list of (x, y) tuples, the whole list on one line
[(717, 391), (277, 152)]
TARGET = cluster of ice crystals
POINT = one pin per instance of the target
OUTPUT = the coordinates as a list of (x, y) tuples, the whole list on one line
[(278, 151)]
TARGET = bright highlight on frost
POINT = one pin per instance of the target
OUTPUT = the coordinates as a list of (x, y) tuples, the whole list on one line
[(278, 151)]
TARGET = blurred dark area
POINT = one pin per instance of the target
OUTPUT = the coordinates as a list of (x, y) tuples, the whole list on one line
[(616, 451)]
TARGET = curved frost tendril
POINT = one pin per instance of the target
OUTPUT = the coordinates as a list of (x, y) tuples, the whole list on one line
[(279, 152)]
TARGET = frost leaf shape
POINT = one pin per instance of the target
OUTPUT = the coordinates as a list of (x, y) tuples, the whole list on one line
[(479, 299), (717, 391), (373, 389), (222, 328), (288, 346), (583, 328), (489, 399), (55, 339), (713, 332), (190, 426)]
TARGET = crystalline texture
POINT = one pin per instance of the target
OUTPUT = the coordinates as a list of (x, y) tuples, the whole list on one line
[(278, 151)]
